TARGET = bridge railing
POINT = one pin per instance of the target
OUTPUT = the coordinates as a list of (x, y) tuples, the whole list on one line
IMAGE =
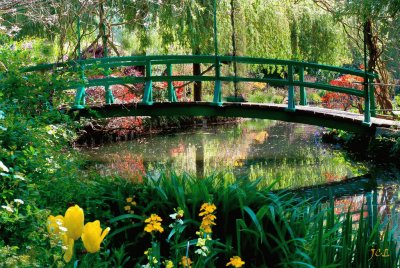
[(294, 78)]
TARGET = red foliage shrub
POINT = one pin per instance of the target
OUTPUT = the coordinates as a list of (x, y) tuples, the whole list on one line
[(335, 100)]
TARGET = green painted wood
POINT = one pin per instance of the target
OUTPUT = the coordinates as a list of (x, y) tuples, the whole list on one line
[(182, 59), (171, 89), (148, 89), (245, 110), (79, 98), (303, 93), (350, 91), (372, 96), (291, 101), (170, 60), (367, 103), (217, 100)]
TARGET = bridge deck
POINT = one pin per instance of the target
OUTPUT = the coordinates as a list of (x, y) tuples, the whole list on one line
[(302, 114)]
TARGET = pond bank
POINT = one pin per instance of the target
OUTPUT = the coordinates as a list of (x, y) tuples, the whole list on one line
[(98, 132), (384, 148)]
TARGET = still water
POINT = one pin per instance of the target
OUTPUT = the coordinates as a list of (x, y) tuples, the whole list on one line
[(291, 153), (272, 150)]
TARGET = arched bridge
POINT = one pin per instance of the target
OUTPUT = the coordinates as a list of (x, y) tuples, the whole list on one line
[(294, 81)]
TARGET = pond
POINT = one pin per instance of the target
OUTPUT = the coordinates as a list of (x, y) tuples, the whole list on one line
[(292, 155)]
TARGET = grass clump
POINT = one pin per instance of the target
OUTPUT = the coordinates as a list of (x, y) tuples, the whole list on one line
[(208, 223)]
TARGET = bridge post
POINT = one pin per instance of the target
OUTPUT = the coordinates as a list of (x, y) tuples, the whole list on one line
[(109, 94), (291, 105), (303, 93), (372, 96), (171, 90), (218, 86), (148, 88), (367, 102), (79, 102)]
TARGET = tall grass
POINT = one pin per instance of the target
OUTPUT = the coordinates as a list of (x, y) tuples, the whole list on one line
[(265, 228)]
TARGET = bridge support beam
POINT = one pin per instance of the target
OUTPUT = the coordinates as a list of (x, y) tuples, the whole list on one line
[(171, 90), (304, 115), (148, 88), (367, 102), (303, 93), (81, 91), (80, 98), (372, 97), (291, 105), (218, 85), (109, 95)]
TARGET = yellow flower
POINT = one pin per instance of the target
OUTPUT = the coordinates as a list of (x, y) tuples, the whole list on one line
[(169, 264), (153, 218), (207, 208), (127, 208), (186, 262), (92, 236), (129, 199), (153, 224), (54, 224), (235, 261), (68, 246), (73, 221), (207, 222)]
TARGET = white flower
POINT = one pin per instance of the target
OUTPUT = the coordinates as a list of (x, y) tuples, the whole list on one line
[(15, 28), (204, 248), (3, 167), (8, 208), (173, 216), (20, 201), (180, 221), (19, 177), (200, 252)]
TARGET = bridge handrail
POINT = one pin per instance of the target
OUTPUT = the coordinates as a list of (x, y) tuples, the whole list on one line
[(187, 59), (169, 60)]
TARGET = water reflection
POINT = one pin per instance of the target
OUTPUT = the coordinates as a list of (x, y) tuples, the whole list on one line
[(381, 205), (253, 149), (263, 149)]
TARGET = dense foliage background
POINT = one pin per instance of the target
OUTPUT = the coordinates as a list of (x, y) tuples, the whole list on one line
[(41, 175)]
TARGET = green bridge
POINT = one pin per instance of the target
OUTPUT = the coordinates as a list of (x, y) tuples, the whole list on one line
[(294, 82)]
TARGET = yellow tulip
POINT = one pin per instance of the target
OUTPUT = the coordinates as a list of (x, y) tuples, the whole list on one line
[(92, 236), (68, 246), (73, 221), (54, 224), (235, 261)]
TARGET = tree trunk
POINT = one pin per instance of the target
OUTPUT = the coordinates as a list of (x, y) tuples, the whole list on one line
[(375, 64), (102, 29), (197, 85)]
